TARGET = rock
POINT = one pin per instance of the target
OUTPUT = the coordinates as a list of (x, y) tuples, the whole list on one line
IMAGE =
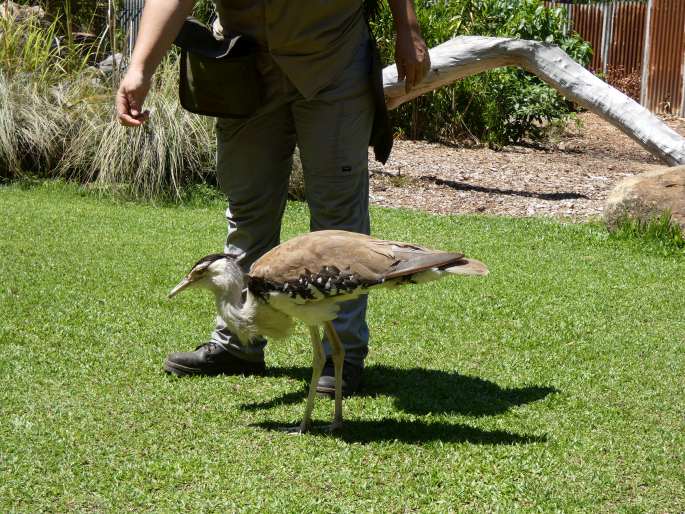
[(17, 12), (648, 196), (108, 64)]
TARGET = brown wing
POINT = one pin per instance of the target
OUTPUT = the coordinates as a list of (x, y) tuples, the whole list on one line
[(327, 251)]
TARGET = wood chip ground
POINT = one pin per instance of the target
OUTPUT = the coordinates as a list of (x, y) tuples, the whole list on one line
[(568, 178)]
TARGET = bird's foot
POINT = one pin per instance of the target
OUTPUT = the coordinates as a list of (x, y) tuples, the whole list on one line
[(300, 429), (303, 428)]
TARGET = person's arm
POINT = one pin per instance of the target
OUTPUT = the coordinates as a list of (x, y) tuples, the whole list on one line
[(159, 25), (411, 53)]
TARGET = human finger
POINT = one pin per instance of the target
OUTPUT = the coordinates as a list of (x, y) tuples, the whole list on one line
[(134, 106), (122, 109), (128, 110), (423, 68), (410, 81), (128, 121), (401, 70)]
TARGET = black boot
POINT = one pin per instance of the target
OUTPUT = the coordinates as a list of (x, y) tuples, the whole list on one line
[(211, 359)]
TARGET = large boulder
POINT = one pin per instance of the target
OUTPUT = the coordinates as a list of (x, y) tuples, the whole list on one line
[(647, 196)]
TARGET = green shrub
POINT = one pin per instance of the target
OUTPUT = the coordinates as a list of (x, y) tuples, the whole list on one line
[(29, 47), (204, 10), (500, 106)]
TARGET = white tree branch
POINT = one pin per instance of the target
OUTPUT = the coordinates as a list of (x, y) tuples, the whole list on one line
[(469, 55)]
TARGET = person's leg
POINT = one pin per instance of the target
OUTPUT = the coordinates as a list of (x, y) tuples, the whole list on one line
[(254, 159), (333, 131)]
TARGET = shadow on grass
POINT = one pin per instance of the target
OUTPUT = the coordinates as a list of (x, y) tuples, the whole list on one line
[(422, 391), (357, 431)]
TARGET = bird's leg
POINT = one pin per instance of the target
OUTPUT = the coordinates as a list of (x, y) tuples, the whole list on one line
[(338, 359), (317, 366)]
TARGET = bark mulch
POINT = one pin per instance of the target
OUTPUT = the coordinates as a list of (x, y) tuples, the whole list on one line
[(568, 178)]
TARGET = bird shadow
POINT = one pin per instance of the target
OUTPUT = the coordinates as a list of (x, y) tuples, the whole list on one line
[(421, 392), (416, 431)]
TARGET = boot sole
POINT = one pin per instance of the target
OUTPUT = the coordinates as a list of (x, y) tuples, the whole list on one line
[(182, 371)]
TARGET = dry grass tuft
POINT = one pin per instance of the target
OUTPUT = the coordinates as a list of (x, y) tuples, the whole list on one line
[(30, 128), (159, 159), (57, 119)]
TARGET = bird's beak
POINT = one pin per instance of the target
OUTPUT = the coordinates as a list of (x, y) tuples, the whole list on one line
[(180, 287)]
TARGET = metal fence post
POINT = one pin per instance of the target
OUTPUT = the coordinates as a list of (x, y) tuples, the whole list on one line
[(646, 51), (682, 96), (607, 34)]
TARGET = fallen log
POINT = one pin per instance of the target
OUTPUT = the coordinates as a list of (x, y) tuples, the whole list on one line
[(468, 55)]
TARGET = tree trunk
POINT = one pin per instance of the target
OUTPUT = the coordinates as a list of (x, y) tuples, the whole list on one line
[(469, 55)]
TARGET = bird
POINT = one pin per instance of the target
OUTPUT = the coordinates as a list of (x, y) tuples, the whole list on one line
[(306, 278)]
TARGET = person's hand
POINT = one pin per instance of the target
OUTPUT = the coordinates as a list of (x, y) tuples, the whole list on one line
[(130, 97), (411, 57)]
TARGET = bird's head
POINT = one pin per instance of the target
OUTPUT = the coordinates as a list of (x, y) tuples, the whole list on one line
[(217, 272)]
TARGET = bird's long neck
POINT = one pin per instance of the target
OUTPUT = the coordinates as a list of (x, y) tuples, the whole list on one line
[(237, 318), (237, 311)]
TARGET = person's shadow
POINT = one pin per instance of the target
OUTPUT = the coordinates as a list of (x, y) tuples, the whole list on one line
[(421, 392)]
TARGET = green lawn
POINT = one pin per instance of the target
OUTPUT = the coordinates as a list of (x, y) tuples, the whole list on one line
[(555, 383)]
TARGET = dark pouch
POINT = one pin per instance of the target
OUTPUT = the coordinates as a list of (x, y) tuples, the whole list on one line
[(217, 77)]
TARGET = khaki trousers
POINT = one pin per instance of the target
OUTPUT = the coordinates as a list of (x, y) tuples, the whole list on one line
[(254, 160)]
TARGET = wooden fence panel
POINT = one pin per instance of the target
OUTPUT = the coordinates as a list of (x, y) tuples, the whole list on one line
[(588, 21)]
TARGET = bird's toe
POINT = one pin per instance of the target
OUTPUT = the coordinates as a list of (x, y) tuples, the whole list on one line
[(300, 429)]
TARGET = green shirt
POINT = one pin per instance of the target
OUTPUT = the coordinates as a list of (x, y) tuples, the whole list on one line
[(312, 41)]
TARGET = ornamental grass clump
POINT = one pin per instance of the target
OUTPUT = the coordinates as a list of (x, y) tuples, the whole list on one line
[(31, 128), (35, 64), (158, 160), (57, 119), (28, 126)]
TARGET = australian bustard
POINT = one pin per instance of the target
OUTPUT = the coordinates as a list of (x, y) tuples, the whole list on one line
[(306, 278)]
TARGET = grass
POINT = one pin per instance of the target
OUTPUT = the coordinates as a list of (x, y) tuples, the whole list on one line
[(659, 231), (556, 383)]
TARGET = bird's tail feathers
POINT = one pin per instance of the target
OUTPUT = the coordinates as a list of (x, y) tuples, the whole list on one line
[(468, 267)]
